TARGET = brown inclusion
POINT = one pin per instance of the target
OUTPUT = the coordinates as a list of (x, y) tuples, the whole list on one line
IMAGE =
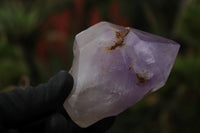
[(120, 36), (141, 80)]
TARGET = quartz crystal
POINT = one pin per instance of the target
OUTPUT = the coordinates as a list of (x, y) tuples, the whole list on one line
[(113, 68)]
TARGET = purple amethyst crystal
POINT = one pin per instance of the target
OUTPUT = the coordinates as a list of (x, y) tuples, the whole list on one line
[(113, 68)]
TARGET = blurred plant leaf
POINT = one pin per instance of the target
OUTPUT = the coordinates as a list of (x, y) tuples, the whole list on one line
[(20, 18), (12, 65), (187, 26)]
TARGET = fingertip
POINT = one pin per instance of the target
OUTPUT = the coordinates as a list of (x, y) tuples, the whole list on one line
[(67, 81), (67, 78), (61, 83)]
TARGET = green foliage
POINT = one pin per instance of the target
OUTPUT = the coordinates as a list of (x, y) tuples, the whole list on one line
[(187, 71), (187, 25), (16, 20), (21, 23), (12, 65), (21, 18)]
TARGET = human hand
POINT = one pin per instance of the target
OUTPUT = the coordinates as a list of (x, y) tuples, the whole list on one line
[(40, 109)]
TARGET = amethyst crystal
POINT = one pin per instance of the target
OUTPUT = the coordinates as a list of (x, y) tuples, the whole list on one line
[(113, 68)]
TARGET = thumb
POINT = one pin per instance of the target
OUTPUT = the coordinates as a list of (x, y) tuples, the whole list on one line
[(59, 87)]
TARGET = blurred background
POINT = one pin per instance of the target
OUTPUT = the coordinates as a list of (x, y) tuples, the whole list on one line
[(36, 40)]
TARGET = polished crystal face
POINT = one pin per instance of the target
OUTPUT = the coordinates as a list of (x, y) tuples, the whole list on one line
[(113, 68)]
